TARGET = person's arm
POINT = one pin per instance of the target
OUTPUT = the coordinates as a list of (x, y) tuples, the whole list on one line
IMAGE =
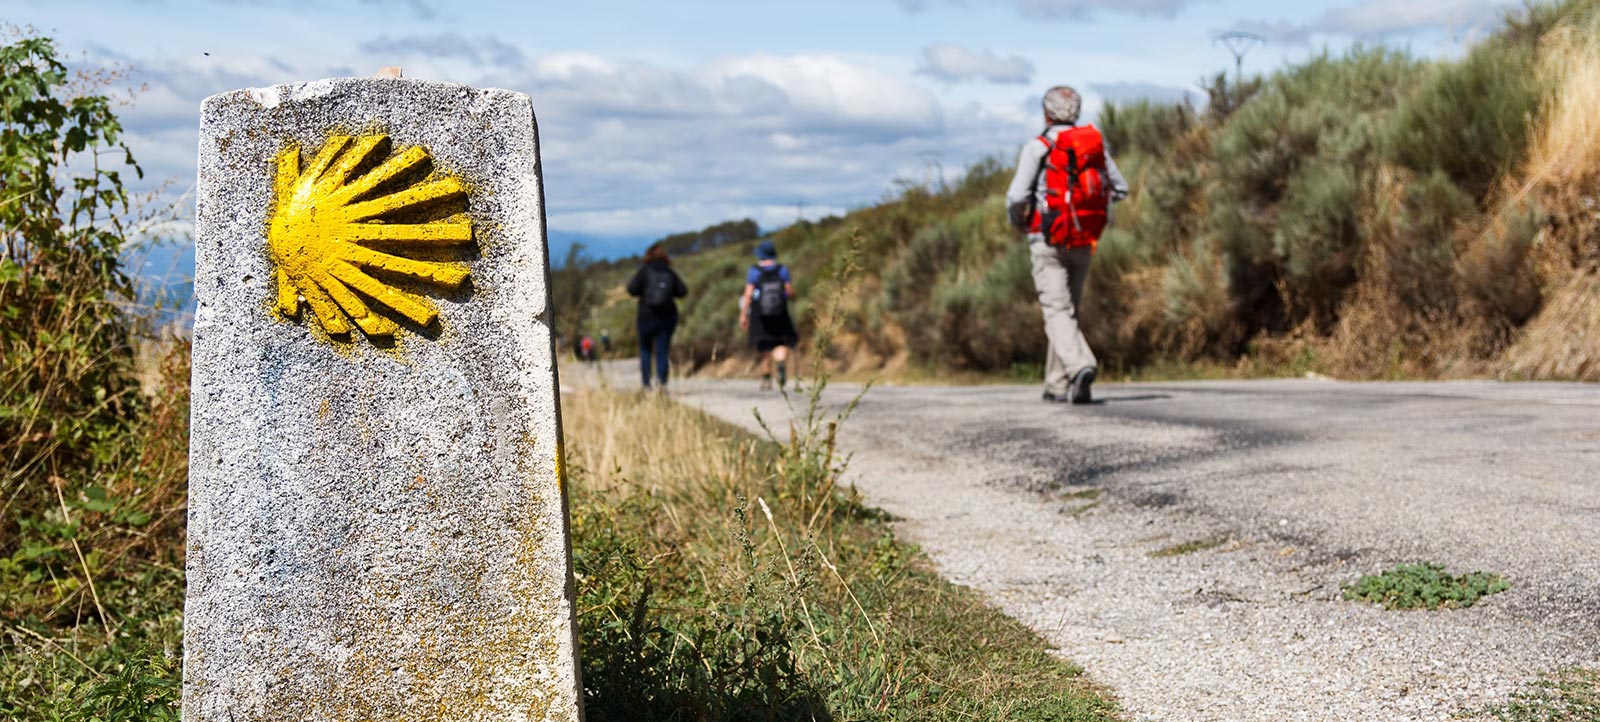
[(1019, 196), (744, 305), (1119, 184), (679, 288), (788, 282), (636, 284)]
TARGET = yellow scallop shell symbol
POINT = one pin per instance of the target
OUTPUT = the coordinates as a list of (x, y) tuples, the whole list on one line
[(334, 235)]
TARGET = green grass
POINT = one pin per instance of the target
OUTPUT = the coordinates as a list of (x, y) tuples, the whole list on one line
[(1569, 696), (1191, 547), (1424, 586), (733, 579), (726, 577)]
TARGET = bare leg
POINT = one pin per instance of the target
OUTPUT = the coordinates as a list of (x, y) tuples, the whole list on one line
[(781, 355)]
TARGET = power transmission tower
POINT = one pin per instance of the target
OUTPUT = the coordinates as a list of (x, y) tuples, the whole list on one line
[(1240, 43)]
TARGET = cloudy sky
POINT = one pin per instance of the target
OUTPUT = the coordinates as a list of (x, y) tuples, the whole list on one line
[(657, 117)]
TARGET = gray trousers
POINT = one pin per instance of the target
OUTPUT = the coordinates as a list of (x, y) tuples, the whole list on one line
[(1059, 275)]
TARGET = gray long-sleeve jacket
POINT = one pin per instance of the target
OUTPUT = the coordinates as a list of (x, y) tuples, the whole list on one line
[(1027, 186)]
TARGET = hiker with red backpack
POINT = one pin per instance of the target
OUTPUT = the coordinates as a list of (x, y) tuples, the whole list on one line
[(656, 286), (1061, 197), (764, 313)]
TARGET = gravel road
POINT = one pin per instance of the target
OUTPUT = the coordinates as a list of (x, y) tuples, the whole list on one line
[(1297, 486)]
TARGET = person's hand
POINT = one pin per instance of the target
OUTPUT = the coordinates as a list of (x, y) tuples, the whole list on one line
[(744, 322)]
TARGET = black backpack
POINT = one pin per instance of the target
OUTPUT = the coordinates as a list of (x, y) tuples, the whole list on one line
[(658, 287), (771, 297)]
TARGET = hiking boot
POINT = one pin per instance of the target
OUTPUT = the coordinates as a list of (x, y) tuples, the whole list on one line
[(1081, 391)]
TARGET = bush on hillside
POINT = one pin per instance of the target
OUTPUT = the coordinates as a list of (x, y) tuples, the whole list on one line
[(1145, 127), (1291, 168), (1470, 119)]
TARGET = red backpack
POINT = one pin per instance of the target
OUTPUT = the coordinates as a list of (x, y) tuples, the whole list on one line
[(1076, 193)]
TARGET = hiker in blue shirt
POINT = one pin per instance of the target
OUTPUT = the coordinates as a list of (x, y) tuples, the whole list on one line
[(764, 312)]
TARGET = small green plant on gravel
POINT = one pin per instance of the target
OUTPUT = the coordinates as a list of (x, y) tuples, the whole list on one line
[(1569, 696), (1191, 547), (1424, 586)]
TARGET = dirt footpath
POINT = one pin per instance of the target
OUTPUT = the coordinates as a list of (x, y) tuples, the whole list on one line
[(1186, 543)]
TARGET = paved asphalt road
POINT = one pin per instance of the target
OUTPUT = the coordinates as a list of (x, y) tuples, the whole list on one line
[(1054, 512)]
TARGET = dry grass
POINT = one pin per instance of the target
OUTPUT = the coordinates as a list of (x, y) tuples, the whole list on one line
[(1565, 152), (1560, 176), (724, 577), (650, 444), (1561, 342)]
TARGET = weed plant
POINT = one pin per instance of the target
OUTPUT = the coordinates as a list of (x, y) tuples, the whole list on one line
[(1191, 547), (92, 488), (1568, 696), (1424, 586)]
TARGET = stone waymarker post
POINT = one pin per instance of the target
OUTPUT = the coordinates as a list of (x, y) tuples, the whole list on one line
[(377, 521)]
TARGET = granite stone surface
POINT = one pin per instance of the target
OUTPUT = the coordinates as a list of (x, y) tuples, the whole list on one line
[(377, 527)]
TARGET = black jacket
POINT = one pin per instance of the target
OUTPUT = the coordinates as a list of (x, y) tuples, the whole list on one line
[(636, 288)]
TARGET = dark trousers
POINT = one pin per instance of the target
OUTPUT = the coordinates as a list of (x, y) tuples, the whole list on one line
[(654, 339)]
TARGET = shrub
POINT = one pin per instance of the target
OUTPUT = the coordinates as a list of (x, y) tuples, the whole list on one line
[(1497, 272), (1292, 167), (91, 529), (989, 323), (1145, 127), (1194, 291), (1470, 118), (1424, 586), (65, 357)]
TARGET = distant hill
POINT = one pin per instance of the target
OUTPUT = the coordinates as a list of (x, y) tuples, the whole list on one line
[(1365, 215)]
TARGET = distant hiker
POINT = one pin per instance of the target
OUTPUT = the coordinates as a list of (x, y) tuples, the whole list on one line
[(586, 348), (605, 341), (1061, 197), (764, 312), (656, 285)]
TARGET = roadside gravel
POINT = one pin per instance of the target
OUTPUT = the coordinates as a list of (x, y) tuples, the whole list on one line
[(1297, 487)]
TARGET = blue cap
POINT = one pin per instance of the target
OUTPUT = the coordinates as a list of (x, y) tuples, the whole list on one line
[(766, 251)]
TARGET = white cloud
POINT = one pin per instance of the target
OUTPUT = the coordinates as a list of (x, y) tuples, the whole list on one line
[(1376, 19), (640, 148), (484, 50), (829, 90), (1083, 8), (1065, 8), (787, 141), (953, 63), (1133, 92)]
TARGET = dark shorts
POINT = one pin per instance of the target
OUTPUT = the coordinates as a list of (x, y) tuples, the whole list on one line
[(770, 332)]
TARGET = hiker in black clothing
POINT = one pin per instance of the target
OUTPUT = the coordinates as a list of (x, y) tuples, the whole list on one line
[(764, 312), (656, 285)]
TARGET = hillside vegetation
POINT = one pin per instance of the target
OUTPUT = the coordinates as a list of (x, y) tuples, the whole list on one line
[(1363, 214)]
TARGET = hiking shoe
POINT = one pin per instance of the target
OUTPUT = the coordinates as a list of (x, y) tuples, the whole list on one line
[(1081, 391)]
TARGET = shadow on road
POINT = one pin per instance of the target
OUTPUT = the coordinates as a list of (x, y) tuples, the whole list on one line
[(1104, 400)]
